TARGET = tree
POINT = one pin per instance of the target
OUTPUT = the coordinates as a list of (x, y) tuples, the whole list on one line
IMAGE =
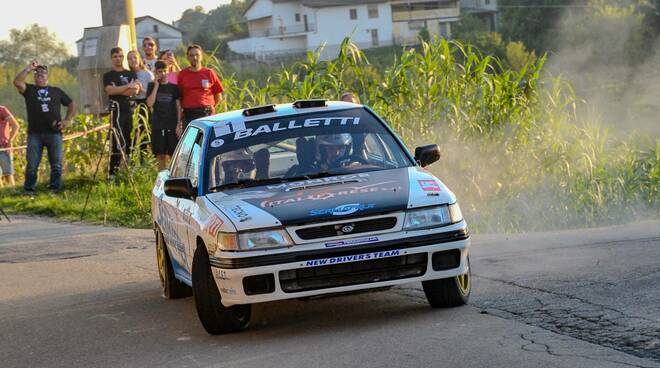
[(34, 42), (213, 28), (190, 22), (474, 31)]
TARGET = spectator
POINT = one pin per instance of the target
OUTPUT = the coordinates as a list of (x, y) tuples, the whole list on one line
[(200, 88), (173, 67), (163, 99), (150, 48), (43, 104), (145, 77), (350, 97), (122, 86), (8, 132)]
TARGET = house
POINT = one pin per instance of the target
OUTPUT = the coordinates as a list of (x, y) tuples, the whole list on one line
[(486, 10), (166, 35), (280, 28), (410, 17)]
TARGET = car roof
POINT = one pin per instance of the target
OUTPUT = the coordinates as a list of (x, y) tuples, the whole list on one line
[(281, 110)]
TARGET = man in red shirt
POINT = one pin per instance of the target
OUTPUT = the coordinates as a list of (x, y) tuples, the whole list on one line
[(200, 88)]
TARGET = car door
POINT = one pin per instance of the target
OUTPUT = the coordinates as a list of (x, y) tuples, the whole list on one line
[(178, 237), (189, 208)]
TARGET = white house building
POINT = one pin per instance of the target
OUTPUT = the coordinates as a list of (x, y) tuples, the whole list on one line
[(285, 27), (289, 27), (166, 35)]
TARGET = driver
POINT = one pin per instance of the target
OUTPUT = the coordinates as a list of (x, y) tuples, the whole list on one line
[(238, 165), (333, 150)]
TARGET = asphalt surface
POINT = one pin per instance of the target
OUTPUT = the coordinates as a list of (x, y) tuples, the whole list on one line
[(88, 296)]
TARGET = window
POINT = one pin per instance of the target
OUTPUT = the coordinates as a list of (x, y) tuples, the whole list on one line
[(297, 17), (314, 144), (372, 11), (193, 164), (155, 28), (416, 25), (445, 30), (179, 165), (353, 14)]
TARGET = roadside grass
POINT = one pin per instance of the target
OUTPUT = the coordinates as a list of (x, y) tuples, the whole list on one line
[(115, 202), (520, 149)]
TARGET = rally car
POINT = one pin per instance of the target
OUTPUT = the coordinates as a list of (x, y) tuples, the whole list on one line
[(299, 200)]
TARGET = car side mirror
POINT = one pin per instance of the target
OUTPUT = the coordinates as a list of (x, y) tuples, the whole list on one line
[(179, 188), (427, 155)]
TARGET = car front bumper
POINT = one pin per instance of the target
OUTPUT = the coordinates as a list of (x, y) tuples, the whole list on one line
[(401, 257)]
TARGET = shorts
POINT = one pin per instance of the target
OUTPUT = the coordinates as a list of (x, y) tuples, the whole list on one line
[(164, 141), (6, 166)]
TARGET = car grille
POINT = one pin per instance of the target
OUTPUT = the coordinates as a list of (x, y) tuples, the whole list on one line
[(345, 274), (327, 231)]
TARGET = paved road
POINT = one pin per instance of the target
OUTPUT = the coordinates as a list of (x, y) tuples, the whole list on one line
[(87, 296)]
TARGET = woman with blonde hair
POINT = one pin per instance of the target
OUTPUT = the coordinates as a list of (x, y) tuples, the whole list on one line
[(173, 67), (145, 77)]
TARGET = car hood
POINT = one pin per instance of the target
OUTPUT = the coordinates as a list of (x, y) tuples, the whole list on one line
[(331, 198)]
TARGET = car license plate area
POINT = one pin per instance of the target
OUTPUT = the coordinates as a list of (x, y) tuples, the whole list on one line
[(354, 273)]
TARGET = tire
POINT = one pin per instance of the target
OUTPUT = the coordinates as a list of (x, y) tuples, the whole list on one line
[(170, 286), (215, 317), (449, 292)]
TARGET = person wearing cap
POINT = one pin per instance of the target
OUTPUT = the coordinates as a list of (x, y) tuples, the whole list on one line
[(43, 104), (200, 87), (8, 132), (150, 52)]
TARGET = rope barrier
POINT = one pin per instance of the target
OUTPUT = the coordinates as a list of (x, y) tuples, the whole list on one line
[(69, 137)]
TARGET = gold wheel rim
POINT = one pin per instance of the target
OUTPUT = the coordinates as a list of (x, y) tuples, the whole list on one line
[(464, 283), (161, 260)]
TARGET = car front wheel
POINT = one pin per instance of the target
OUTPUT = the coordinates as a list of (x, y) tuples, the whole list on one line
[(215, 317), (170, 286), (449, 292)]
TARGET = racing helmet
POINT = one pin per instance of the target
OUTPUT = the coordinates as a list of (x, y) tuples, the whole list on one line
[(333, 140), (238, 165)]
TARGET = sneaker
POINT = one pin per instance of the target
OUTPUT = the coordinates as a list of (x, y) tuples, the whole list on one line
[(28, 193)]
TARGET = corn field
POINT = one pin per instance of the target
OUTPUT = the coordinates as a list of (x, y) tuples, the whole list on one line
[(518, 149)]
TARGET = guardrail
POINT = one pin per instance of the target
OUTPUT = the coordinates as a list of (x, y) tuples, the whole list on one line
[(69, 137)]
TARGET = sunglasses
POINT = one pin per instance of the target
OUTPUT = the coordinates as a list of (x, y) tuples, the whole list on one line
[(149, 45)]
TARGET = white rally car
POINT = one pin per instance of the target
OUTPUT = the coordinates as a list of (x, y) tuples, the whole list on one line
[(299, 200)]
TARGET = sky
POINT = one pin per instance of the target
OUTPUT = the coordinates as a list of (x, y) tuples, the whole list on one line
[(67, 18)]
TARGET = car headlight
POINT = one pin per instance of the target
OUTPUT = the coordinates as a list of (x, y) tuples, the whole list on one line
[(432, 217), (254, 240)]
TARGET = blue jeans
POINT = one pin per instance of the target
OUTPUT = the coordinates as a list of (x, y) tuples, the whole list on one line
[(35, 146)]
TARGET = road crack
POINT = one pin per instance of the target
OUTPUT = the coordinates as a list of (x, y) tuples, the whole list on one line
[(577, 317)]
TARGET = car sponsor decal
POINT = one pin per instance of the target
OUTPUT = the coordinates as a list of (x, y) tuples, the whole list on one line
[(220, 274), (213, 225), (240, 131), (329, 193), (230, 291), (238, 213), (352, 258), (311, 182), (350, 242), (223, 128), (343, 210), (164, 220), (429, 185)]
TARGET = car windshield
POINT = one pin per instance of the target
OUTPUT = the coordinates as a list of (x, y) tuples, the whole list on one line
[(305, 146)]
